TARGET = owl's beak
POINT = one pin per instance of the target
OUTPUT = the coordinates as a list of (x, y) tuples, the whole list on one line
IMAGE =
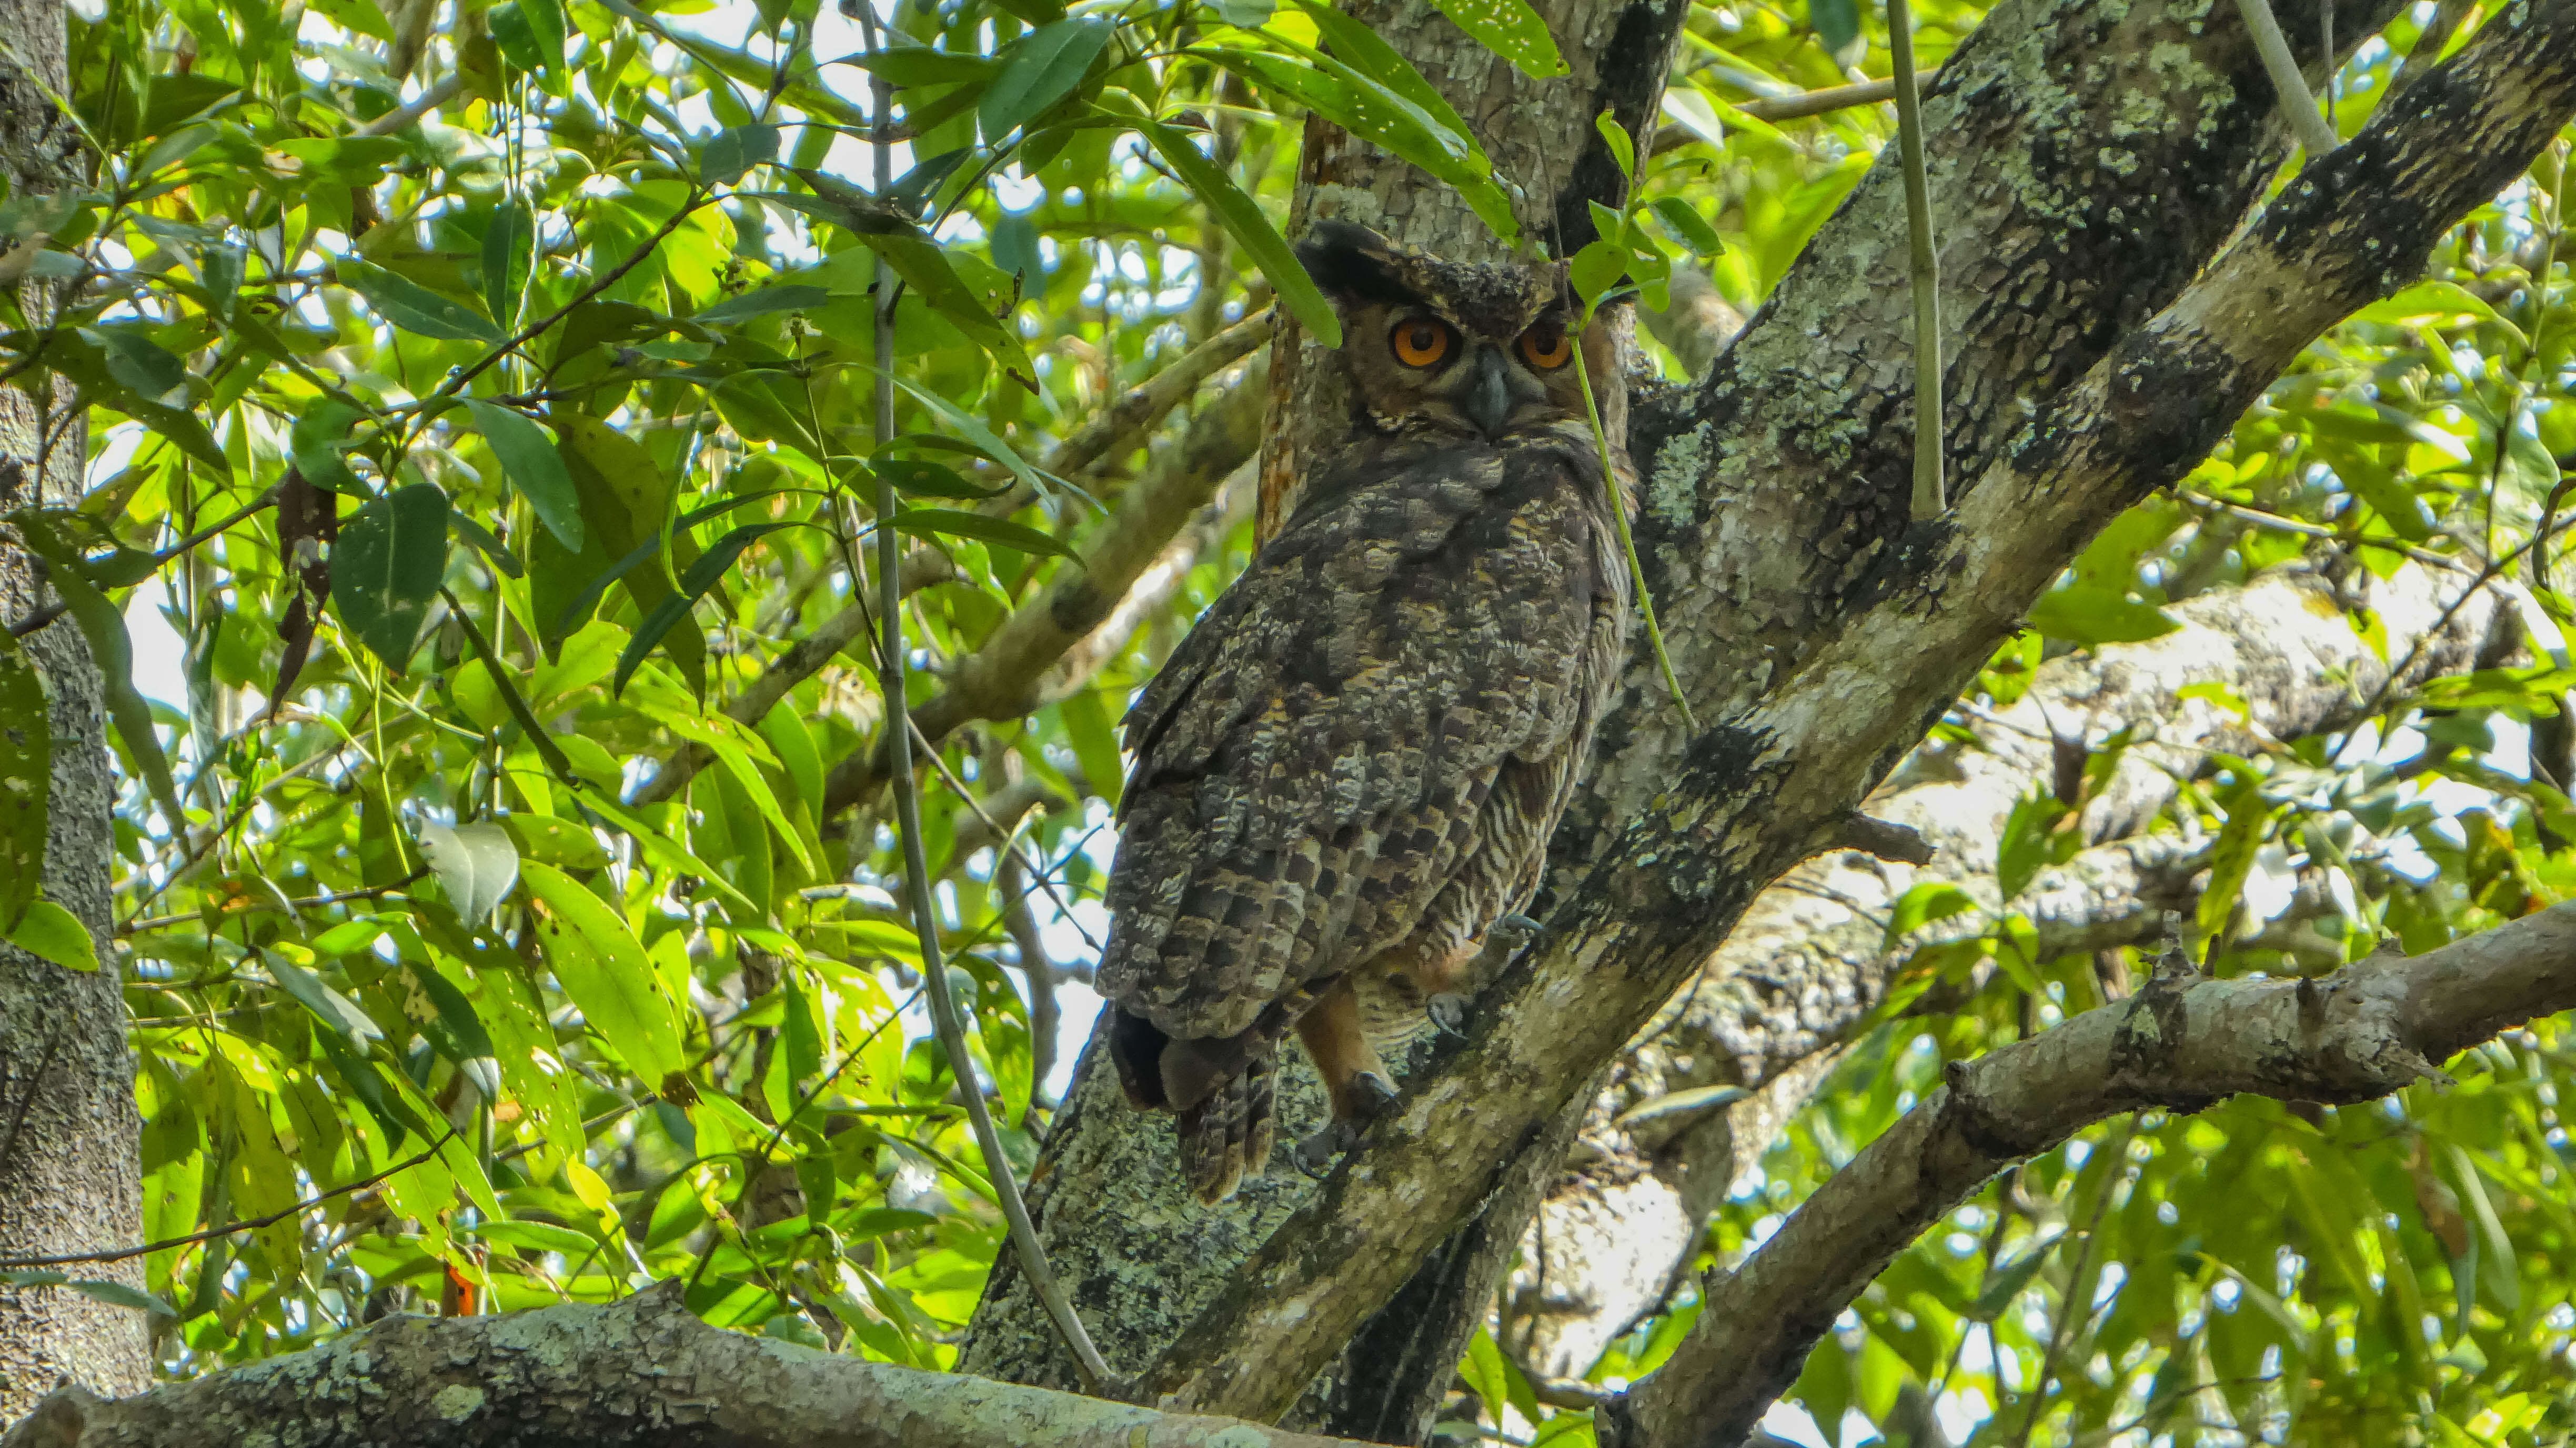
[(1489, 394)]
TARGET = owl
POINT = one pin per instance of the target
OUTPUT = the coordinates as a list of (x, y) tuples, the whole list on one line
[(1346, 775)]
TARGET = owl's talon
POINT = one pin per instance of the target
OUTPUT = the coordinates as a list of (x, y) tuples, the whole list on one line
[(1372, 1096), (1515, 930), (1315, 1155), (1448, 1011)]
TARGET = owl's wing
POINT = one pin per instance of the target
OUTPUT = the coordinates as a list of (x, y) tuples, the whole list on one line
[(1311, 760)]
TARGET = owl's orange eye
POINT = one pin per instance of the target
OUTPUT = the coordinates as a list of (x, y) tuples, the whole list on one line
[(1419, 341), (1546, 347)]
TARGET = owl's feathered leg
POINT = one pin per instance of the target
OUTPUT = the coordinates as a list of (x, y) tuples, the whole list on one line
[(1361, 1087)]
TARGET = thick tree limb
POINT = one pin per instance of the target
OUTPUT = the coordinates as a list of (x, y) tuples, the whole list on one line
[(2182, 1043), (1876, 647), (643, 1373)]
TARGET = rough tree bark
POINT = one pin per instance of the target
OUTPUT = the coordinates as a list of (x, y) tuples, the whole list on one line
[(70, 1168), (2089, 163), (1809, 961)]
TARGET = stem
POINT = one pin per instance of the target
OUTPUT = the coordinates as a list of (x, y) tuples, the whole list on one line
[(1628, 545), (2274, 47), (1931, 498), (907, 803)]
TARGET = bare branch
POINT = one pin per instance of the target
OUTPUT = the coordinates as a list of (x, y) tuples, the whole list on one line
[(2183, 1043)]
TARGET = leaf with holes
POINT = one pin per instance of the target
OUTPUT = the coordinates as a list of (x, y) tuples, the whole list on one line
[(386, 570), (603, 968), (1510, 29)]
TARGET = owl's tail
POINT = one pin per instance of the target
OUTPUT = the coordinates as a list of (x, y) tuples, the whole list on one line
[(1229, 1135)]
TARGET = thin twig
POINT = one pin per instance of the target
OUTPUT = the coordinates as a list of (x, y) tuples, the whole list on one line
[(412, 110), (907, 798), (2076, 1302), (2296, 103), (251, 1224), (18, 1118), (1930, 499), (1628, 545)]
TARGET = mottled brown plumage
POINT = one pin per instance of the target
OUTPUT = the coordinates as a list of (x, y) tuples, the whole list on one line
[(1347, 773)]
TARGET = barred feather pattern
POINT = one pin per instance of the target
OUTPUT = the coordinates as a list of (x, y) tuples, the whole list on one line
[(1357, 755)]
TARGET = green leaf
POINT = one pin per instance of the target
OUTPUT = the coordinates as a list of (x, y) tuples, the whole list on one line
[(528, 456), (113, 650), (1244, 221), (1926, 902), (1512, 30), (761, 303), (2025, 846), (1836, 23), (515, 37), (56, 934), (928, 522), (2091, 614), (1095, 742), (919, 475), (701, 576), (1688, 226), (333, 1009), (114, 1294), (26, 779), (972, 428), (412, 307), (1623, 151), (476, 863), (1041, 69), (1597, 268), (386, 569), (318, 442), (768, 405), (507, 243), (603, 968), (726, 155)]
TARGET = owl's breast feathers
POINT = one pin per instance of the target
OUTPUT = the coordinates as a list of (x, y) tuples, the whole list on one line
[(1315, 762)]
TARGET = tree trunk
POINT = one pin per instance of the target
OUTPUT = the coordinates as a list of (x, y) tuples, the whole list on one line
[(70, 1169), (2100, 342)]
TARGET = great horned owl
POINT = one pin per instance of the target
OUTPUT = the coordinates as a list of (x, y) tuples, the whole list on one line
[(1347, 774)]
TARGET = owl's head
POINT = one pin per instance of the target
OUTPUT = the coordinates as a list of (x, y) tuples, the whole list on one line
[(1444, 349)]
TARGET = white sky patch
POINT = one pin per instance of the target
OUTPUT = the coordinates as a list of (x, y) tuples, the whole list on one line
[(1787, 1420)]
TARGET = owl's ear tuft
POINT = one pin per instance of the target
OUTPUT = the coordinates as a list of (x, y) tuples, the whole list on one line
[(1351, 263)]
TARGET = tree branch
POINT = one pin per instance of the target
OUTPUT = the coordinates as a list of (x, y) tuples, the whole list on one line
[(2183, 1043), (1798, 737), (643, 1373)]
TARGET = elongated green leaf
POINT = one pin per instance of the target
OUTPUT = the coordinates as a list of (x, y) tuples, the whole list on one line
[(1510, 29), (1244, 221), (412, 307), (761, 304), (386, 569), (1041, 69), (113, 649), (330, 1007), (694, 584), (114, 1294), (56, 934), (26, 780), (972, 428), (1688, 226), (534, 466), (603, 968), (929, 522), (507, 244)]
